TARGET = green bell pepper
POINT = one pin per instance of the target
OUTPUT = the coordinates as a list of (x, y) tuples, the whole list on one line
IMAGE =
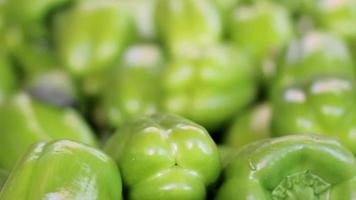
[(7, 77), (299, 167), (90, 36), (3, 177), (136, 86), (251, 126), (217, 80), (324, 106), (187, 24), (64, 170), (314, 55), (165, 156), (249, 21), (226, 7), (26, 20), (142, 12), (24, 122), (338, 17)]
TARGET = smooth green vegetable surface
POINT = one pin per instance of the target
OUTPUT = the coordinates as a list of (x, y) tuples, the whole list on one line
[(64, 170), (292, 167), (253, 125), (188, 24), (210, 87), (24, 122), (85, 46), (325, 106), (316, 54), (134, 86), (165, 157)]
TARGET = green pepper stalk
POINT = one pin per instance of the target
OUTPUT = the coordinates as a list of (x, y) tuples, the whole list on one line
[(209, 87), (133, 88), (64, 170), (24, 122), (248, 22), (325, 106), (291, 167), (90, 36), (251, 126), (187, 24), (315, 55), (164, 157)]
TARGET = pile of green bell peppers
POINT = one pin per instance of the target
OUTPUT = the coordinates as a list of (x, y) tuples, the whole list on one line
[(177, 99)]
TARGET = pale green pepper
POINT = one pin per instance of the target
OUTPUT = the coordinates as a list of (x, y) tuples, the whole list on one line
[(133, 88), (314, 55), (261, 28), (209, 87), (24, 122), (187, 24), (90, 36), (251, 126), (165, 157), (324, 106), (64, 170), (299, 167)]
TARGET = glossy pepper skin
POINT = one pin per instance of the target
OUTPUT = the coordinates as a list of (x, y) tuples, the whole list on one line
[(292, 167), (249, 21), (249, 127), (24, 121), (325, 106), (217, 80), (133, 88), (314, 55), (64, 170), (187, 24), (164, 156), (84, 45)]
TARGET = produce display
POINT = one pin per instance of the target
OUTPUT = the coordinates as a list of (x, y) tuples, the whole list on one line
[(177, 99)]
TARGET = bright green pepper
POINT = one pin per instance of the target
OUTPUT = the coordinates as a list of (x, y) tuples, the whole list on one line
[(216, 80), (165, 157), (187, 24), (249, 21), (324, 106), (338, 17), (64, 170), (24, 122), (316, 54), (252, 126), (299, 167), (90, 36), (7, 77), (134, 88)]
